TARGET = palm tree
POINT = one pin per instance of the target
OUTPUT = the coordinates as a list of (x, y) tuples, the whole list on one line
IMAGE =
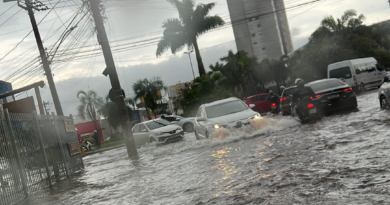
[(184, 31), (131, 102), (149, 91), (110, 111), (332, 27), (90, 104)]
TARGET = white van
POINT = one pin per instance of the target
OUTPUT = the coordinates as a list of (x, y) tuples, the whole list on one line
[(360, 73)]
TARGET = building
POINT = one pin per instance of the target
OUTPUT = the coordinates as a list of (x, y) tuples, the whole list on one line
[(175, 94), (261, 28)]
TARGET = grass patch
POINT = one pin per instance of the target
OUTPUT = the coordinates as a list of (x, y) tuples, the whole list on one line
[(109, 143)]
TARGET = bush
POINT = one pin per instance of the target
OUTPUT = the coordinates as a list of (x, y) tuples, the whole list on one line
[(117, 136)]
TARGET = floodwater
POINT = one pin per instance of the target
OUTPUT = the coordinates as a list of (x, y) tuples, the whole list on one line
[(342, 159)]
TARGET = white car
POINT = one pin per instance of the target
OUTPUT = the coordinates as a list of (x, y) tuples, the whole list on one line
[(227, 113), (186, 123), (158, 131)]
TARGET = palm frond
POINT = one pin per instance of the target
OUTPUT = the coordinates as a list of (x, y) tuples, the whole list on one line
[(209, 23)]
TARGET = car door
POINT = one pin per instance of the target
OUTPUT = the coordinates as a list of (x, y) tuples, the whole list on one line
[(144, 134)]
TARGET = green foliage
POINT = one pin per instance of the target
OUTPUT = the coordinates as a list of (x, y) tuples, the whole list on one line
[(338, 40), (184, 31), (110, 111), (116, 137), (149, 90)]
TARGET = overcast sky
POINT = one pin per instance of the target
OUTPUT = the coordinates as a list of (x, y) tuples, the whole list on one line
[(133, 26)]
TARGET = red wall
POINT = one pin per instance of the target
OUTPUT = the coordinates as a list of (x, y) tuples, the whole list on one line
[(87, 127)]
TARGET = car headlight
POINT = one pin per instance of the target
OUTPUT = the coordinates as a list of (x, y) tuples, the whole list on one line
[(256, 117), (159, 133), (216, 126)]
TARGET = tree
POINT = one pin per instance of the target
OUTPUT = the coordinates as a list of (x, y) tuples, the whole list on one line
[(90, 104), (110, 111), (184, 31), (131, 102), (149, 91)]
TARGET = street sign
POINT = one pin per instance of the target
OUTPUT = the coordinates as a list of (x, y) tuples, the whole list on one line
[(74, 148)]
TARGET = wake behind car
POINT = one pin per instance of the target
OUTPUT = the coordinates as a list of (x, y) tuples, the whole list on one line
[(158, 131), (333, 95), (227, 113)]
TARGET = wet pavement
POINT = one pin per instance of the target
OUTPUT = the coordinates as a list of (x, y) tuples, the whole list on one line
[(342, 159)]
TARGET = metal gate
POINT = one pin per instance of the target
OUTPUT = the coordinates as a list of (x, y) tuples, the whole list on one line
[(35, 151)]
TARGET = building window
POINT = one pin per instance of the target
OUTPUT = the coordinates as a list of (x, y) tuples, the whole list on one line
[(257, 17), (258, 25), (263, 48), (250, 19), (255, 43), (253, 35)]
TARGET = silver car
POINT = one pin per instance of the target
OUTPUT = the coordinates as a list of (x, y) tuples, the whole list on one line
[(384, 93), (186, 123), (227, 113), (158, 131)]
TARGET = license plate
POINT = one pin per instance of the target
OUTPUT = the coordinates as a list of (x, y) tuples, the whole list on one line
[(333, 96), (313, 111)]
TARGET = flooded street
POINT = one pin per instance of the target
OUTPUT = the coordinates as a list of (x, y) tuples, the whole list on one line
[(342, 159)]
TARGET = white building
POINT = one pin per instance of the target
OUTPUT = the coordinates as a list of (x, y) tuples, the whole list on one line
[(261, 28)]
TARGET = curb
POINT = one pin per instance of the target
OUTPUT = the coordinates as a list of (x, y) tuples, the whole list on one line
[(106, 149)]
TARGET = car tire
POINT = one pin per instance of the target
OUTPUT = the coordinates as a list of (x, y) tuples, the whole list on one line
[(151, 140), (196, 135), (383, 103), (362, 88), (188, 127)]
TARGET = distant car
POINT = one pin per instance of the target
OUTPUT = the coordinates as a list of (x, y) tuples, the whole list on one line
[(333, 95), (260, 101), (158, 131), (285, 100), (384, 93), (227, 113), (186, 123)]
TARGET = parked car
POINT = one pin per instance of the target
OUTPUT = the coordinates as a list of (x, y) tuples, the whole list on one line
[(260, 101), (227, 113), (158, 131), (285, 100), (384, 93), (333, 95)]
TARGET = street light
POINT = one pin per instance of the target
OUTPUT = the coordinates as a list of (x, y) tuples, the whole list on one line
[(189, 55)]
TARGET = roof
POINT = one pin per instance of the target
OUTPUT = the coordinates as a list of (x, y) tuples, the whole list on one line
[(221, 101)]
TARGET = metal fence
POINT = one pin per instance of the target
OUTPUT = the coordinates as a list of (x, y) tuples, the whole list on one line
[(35, 152)]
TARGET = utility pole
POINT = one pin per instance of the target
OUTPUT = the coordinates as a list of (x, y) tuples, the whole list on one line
[(30, 6), (115, 84), (189, 55)]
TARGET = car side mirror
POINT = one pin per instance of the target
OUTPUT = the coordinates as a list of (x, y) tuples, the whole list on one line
[(200, 119), (251, 106)]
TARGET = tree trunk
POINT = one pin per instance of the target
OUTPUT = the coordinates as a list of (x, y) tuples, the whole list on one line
[(202, 71)]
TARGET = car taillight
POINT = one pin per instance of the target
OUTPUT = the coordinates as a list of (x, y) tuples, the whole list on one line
[(281, 99), (273, 105), (284, 99), (347, 89), (318, 96), (310, 106)]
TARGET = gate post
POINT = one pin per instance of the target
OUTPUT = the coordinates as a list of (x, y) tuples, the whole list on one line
[(55, 119), (38, 132), (15, 149), (75, 133)]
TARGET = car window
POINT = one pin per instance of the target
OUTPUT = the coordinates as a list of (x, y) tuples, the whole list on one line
[(170, 118), (225, 109), (157, 124), (344, 72), (259, 98), (322, 85), (288, 91), (136, 129), (142, 128)]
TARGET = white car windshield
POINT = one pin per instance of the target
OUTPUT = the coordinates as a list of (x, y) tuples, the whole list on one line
[(157, 124), (225, 109)]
